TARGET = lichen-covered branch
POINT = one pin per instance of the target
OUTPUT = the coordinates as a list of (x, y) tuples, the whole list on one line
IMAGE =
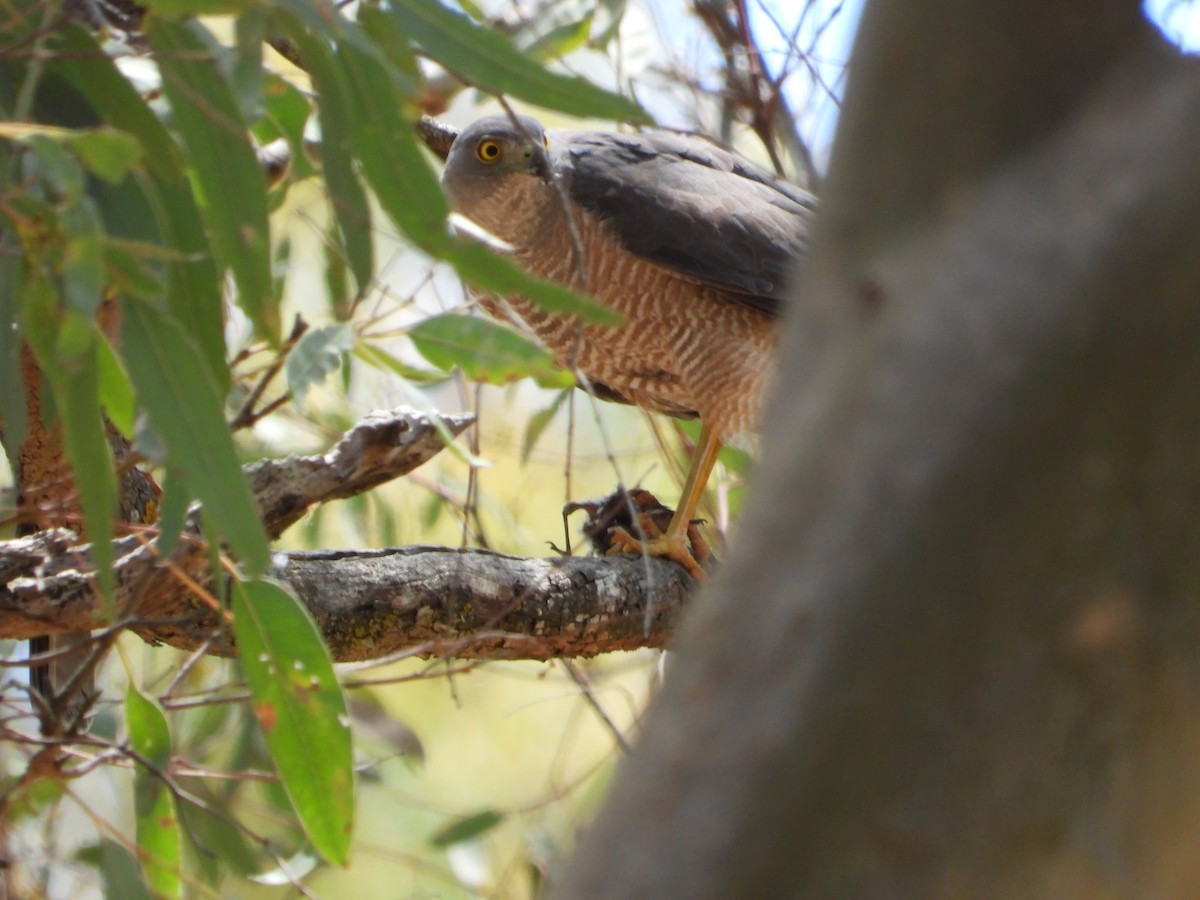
[(368, 603)]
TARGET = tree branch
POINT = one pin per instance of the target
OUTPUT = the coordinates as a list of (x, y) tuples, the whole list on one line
[(368, 603)]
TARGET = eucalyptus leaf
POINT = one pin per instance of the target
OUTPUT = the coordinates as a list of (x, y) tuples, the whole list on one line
[(154, 805), (173, 385), (485, 351), (218, 145), (347, 198), (301, 710), (467, 828), (487, 59)]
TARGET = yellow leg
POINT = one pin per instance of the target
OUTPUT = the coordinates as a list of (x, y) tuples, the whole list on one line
[(673, 544)]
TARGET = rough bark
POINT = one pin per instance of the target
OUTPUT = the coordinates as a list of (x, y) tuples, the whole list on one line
[(956, 651), (368, 603)]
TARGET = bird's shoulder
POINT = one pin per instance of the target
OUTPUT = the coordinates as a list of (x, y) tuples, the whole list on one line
[(692, 206)]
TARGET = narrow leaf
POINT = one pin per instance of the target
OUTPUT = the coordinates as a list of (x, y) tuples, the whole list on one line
[(92, 72), (385, 143), (486, 270), (158, 832), (116, 393), (83, 261), (300, 708), (227, 170), (129, 268), (188, 8), (174, 386), (194, 284), (487, 60), (485, 351), (374, 355), (172, 514), (12, 403), (467, 828), (86, 443), (57, 166), (106, 152), (538, 423), (119, 869), (195, 289), (346, 195)]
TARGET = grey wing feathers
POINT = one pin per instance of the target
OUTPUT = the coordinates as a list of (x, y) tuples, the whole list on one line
[(693, 207)]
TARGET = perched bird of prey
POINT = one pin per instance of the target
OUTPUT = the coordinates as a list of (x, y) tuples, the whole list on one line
[(692, 245)]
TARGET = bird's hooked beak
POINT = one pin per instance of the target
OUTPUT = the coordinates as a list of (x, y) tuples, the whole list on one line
[(539, 163)]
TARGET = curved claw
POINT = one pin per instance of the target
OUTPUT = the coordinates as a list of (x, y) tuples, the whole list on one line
[(675, 546)]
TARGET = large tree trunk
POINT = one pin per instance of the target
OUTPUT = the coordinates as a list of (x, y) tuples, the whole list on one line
[(956, 652)]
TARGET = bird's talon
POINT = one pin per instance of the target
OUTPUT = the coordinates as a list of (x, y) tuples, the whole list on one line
[(664, 546)]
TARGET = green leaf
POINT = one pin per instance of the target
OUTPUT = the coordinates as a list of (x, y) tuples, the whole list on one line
[(285, 114), (92, 72), (180, 9), (386, 144), (58, 167), (301, 710), (194, 285), (466, 828), (12, 402), (246, 74), (154, 805), (88, 451), (172, 513), (485, 351), (486, 270), (346, 195), (119, 869), (129, 270), (318, 353), (561, 27), (374, 355), (226, 166), (116, 392), (538, 422), (83, 259), (155, 232), (185, 409), (390, 38), (487, 60), (562, 39), (106, 152)]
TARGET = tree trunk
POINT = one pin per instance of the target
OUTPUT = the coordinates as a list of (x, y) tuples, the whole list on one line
[(956, 650)]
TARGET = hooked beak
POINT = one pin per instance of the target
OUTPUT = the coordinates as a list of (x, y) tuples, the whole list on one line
[(539, 164)]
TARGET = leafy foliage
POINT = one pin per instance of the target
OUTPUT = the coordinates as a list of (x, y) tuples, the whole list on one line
[(142, 268)]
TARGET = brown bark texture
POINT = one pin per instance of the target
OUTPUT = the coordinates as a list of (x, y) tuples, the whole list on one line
[(956, 651), (369, 604)]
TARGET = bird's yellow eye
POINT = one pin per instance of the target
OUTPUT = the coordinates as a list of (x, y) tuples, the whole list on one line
[(489, 151)]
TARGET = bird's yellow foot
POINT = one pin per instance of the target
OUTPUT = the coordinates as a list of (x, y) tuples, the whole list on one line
[(688, 548)]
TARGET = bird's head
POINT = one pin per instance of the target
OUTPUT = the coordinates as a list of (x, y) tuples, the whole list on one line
[(488, 154)]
